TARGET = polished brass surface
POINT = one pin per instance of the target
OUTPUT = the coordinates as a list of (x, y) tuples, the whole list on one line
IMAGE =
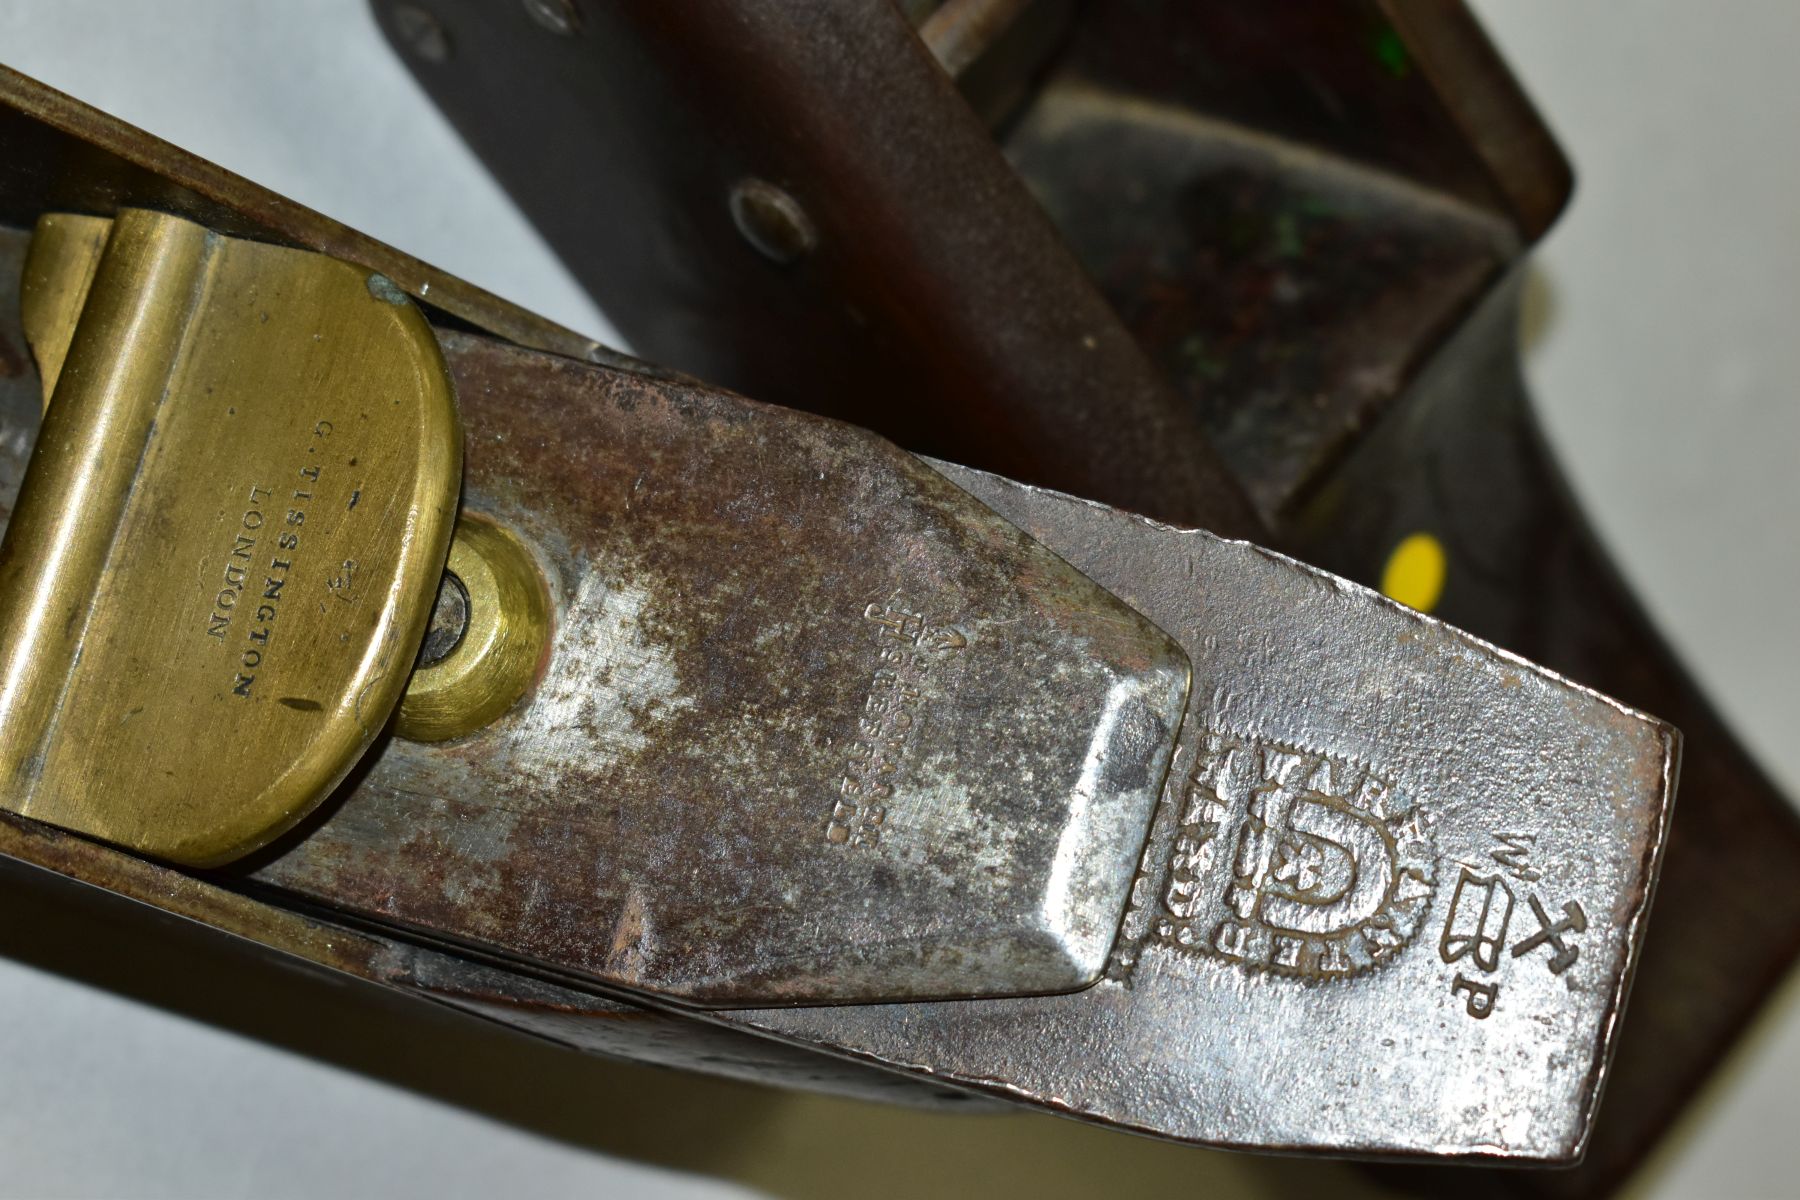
[(500, 647), (224, 552), (65, 253)]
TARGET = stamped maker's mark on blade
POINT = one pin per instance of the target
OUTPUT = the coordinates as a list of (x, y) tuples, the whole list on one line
[(1289, 860)]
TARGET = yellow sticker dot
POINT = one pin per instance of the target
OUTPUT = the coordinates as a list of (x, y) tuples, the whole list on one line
[(1415, 572)]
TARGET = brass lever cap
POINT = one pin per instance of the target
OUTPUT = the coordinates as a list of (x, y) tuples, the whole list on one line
[(228, 541)]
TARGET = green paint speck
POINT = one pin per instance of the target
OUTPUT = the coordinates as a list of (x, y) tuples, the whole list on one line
[(1391, 53)]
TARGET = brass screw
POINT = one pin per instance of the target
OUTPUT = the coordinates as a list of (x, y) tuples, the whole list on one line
[(485, 640), (423, 33), (772, 221), (558, 16)]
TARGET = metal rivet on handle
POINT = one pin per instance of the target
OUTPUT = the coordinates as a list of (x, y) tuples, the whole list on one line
[(772, 221)]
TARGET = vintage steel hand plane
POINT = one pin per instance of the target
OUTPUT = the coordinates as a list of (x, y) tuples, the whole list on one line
[(356, 613), (1253, 268)]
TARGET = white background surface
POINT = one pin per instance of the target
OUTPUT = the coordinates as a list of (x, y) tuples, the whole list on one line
[(1667, 368)]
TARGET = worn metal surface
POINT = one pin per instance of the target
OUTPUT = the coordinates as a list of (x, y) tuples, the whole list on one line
[(1347, 862), (1389, 904), (1468, 464), (161, 906), (1392, 896), (113, 165), (94, 163), (154, 904), (101, 165), (813, 725), (1297, 209)]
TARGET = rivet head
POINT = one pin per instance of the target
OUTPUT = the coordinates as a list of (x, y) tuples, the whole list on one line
[(558, 16), (772, 221), (422, 33)]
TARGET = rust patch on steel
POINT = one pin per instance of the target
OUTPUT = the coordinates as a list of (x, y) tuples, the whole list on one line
[(811, 712)]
